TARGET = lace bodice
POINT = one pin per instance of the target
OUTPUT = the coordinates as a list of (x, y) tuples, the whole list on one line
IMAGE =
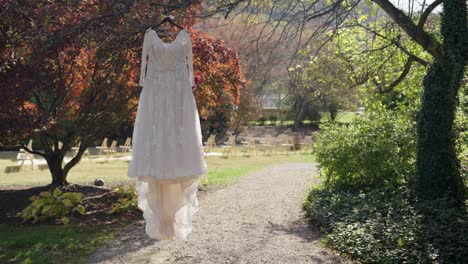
[(159, 56)]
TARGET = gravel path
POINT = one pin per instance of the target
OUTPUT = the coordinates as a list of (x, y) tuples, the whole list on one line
[(257, 220)]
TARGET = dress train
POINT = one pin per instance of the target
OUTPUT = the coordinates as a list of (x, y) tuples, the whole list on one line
[(168, 206)]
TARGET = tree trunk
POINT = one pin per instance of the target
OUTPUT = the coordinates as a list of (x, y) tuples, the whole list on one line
[(437, 166), (332, 109), (59, 175), (299, 114)]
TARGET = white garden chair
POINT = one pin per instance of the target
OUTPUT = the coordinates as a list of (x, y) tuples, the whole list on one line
[(287, 143), (23, 155), (230, 146), (112, 150), (103, 147), (268, 144), (210, 144), (250, 145), (127, 145)]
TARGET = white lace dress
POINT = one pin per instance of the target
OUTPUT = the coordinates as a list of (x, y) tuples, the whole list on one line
[(167, 151)]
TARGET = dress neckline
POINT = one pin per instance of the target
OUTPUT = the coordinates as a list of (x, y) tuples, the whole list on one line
[(168, 43)]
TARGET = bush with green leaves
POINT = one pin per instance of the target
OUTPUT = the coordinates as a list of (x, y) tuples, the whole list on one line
[(376, 149), (382, 226), (53, 205), (127, 200), (273, 119), (261, 121)]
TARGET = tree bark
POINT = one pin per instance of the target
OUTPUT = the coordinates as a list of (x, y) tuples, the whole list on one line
[(426, 40), (59, 176), (299, 114), (437, 166), (333, 111)]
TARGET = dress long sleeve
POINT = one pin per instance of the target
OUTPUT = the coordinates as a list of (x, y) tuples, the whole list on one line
[(189, 55), (144, 59), (167, 150)]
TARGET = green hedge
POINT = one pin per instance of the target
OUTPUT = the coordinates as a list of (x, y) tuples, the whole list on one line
[(381, 226), (376, 149)]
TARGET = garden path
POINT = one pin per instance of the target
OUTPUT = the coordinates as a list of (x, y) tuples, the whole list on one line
[(256, 220)]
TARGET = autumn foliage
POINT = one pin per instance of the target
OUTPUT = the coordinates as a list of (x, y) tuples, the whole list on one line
[(218, 71), (69, 70)]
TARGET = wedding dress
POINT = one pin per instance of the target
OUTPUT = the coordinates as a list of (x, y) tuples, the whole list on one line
[(167, 151)]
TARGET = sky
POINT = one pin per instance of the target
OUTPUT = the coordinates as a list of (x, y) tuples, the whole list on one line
[(403, 4)]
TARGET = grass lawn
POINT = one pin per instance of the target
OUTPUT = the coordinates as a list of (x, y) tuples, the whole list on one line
[(224, 171), (342, 117), (220, 170), (52, 244), (346, 117)]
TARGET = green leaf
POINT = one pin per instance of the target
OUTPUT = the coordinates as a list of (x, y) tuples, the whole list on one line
[(73, 196), (46, 209), (372, 11), (26, 214), (80, 208), (65, 220), (57, 191), (34, 211), (113, 209), (401, 242), (39, 202), (67, 203)]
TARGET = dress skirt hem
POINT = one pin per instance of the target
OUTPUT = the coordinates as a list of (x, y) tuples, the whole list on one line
[(168, 205)]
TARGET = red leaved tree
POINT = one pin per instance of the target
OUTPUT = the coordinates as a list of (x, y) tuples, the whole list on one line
[(68, 71), (219, 73)]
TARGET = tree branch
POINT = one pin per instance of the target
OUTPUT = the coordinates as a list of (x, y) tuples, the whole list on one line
[(425, 40), (15, 147), (402, 76), (398, 44), (426, 13)]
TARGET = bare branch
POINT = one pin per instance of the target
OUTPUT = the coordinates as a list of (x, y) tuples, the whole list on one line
[(402, 76), (15, 147), (426, 13), (398, 44), (424, 39)]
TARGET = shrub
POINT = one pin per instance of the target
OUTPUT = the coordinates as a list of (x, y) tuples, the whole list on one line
[(261, 121), (273, 119), (375, 149), (312, 113), (55, 205), (381, 226), (217, 121), (127, 201)]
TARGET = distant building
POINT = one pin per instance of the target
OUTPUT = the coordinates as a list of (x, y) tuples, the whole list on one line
[(271, 104)]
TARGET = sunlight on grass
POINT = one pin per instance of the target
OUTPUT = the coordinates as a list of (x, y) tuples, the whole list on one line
[(84, 172), (220, 170), (342, 117), (224, 171)]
